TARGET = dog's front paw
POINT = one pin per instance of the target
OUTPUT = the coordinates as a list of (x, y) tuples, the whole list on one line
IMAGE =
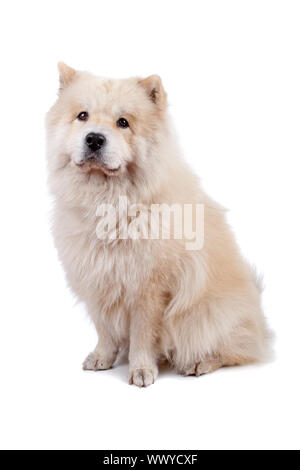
[(96, 361), (143, 377)]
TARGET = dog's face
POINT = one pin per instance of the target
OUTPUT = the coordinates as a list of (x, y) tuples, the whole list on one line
[(102, 125)]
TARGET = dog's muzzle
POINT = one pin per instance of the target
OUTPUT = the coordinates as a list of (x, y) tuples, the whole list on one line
[(93, 155), (93, 143)]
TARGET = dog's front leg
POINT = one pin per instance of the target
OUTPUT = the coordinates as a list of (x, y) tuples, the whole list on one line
[(144, 323), (105, 353)]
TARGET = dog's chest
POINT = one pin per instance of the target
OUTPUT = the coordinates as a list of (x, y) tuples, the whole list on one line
[(110, 268)]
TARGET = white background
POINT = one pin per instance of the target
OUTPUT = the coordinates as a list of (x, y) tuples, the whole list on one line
[(231, 69)]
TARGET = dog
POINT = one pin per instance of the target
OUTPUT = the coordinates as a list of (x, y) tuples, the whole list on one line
[(199, 307)]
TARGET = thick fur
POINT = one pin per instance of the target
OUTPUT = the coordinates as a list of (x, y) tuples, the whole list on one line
[(200, 310)]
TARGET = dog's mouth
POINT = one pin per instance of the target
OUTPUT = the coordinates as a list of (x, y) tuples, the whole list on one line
[(96, 166)]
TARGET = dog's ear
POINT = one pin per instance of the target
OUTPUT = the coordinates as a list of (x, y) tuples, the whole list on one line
[(66, 74), (155, 90)]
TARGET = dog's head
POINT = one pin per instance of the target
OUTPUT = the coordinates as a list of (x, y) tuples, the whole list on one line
[(105, 126)]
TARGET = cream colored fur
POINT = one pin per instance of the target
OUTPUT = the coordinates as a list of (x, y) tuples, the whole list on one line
[(199, 309)]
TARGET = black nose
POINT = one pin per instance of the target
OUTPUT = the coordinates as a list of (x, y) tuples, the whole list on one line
[(95, 141)]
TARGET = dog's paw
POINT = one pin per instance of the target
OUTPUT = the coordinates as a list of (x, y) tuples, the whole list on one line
[(202, 368), (142, 377), (96, 361)]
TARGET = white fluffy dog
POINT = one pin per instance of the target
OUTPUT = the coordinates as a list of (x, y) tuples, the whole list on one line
[(198, 308)]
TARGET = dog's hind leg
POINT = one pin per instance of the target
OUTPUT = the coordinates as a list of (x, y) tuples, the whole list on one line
[(219, 333), (206, 366)]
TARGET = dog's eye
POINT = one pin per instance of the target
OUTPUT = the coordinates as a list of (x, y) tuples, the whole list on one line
[(83, 116), (122, 123)]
